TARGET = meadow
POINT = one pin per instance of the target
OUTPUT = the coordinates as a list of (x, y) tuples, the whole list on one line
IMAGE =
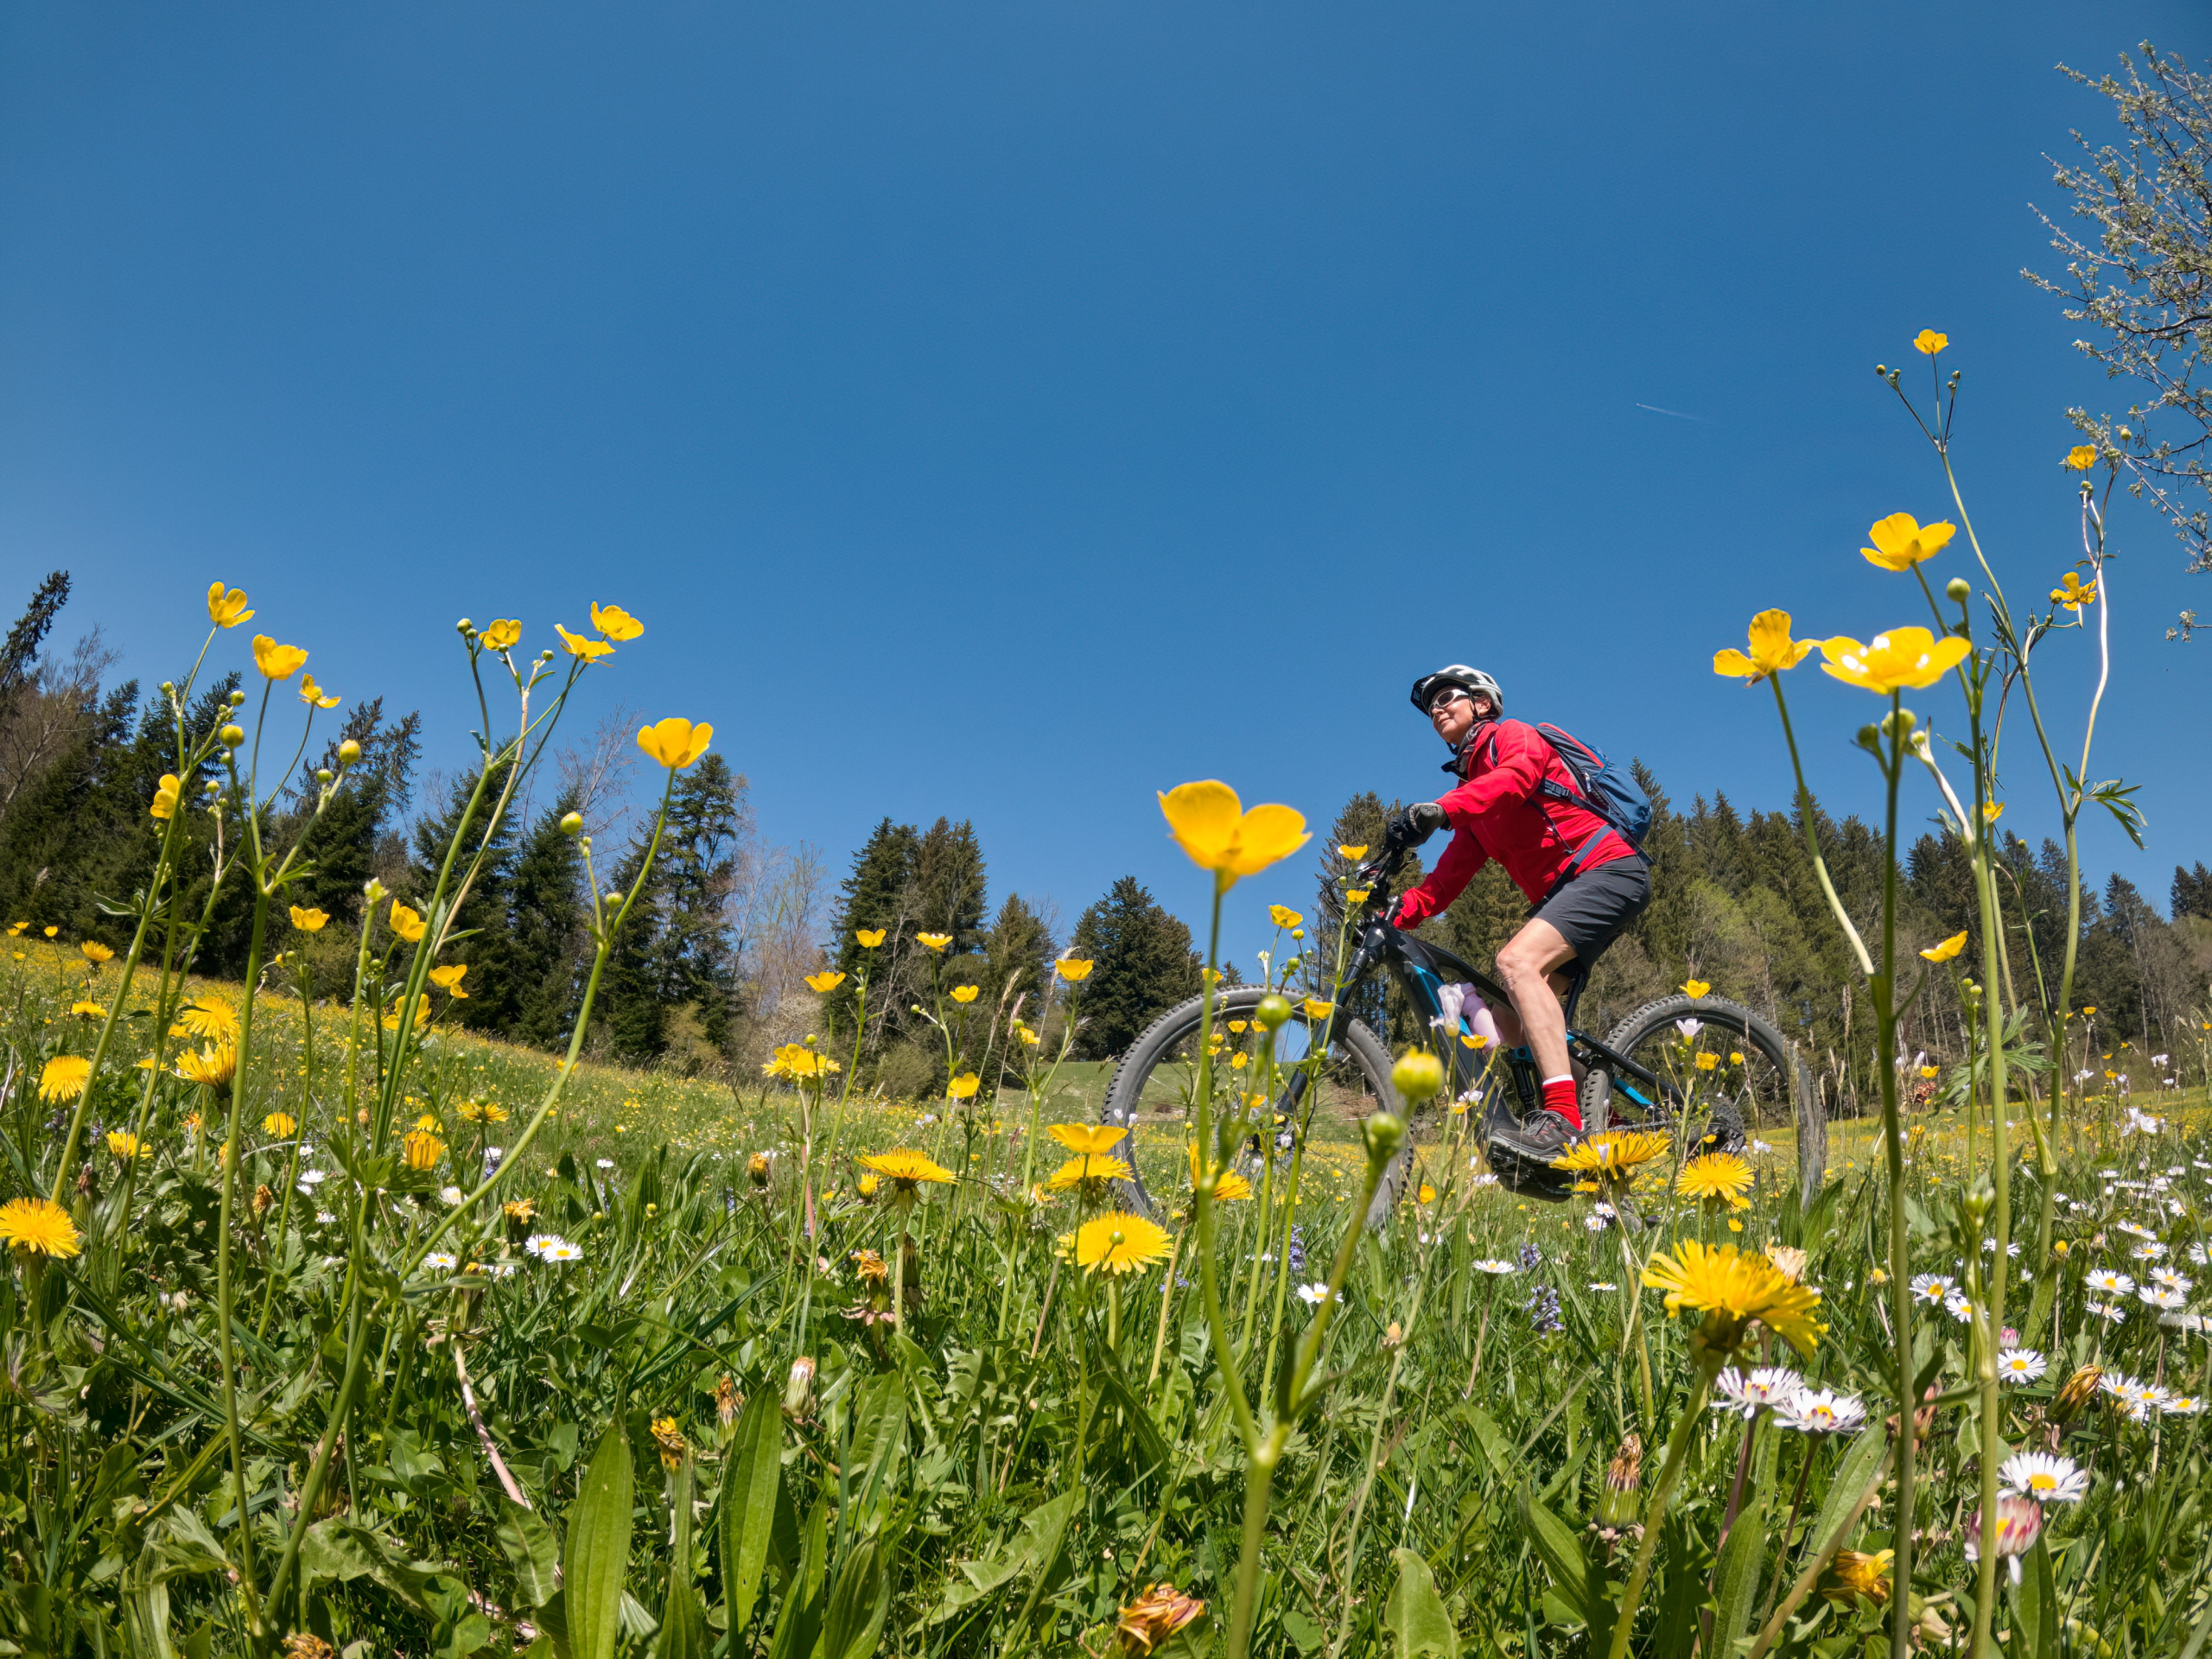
[(329, 1330)]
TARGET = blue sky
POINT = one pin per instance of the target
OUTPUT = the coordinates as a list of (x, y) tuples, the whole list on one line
[(1007, 410)]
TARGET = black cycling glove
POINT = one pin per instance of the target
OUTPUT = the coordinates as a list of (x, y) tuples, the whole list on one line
[(1409, 826)]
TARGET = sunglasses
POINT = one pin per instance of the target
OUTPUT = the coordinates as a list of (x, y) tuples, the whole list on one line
[(1443, 698)]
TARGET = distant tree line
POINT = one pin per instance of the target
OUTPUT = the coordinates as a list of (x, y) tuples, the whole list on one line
[(703, 973)]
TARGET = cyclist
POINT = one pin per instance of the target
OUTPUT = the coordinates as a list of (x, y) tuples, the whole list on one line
[(1517, 803)]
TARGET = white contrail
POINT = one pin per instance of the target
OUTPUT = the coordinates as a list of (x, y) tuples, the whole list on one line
[(1676, 413)]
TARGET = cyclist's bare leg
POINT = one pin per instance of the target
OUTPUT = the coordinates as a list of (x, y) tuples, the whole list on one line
[(1529, 967)]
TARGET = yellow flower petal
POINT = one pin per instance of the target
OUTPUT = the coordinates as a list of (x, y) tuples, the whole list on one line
[(675, 742), (1209, 824), (277, 662), (576, 646), (226, 608), (616, 623), (1928, 342), (1902, 541), (1949, 949), (1901, 659)]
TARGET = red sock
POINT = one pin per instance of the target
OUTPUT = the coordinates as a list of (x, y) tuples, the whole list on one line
[(1559, 1096)]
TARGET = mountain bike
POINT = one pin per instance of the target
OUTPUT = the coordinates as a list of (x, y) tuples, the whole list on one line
[(1709, 1073)]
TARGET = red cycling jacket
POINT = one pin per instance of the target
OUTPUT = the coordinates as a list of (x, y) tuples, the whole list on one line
[(1498, 812)]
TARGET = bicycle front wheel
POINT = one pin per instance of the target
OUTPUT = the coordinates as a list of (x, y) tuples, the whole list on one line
[(1725, 1075), (1155, 1086)]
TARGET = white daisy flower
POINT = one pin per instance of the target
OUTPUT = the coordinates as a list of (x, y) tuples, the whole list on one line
[(2111, 1283), (606, 1163), (1600, 1284), (1486, 1178), (2046, 1478), (325, 1216), (440, 1262), (2183, 1405), (2020, 1365), (1317, 1292), (2107, 1313), (1822, 1411), (1491, 1264), (1594, 1223), (1745, 1393), (1958, 1307), (536, 1243), (2159, 1297), (2169, 1278), (2149, 1250), (1932, 1287), (2130, 1227), (561, 1250), (450, 1196)]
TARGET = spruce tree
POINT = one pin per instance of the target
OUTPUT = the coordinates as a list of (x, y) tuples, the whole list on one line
[(494, 985), (872, 897), (1145, 966), (550, 924), (694, 957)]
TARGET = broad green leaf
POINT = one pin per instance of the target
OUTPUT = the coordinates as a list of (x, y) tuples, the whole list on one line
[(598, 1558), (1867, 1455), (751, 1476), (879, 1445), (1047, 1525), (683, 1625), (2036, 1598), (858, 1605), (1034, 1551), (1737, 1576), (531, 1550), (1415, 1615), (334, 1549)]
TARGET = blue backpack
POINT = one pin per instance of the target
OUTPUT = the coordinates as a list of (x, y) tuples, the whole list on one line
[(1607, 789)]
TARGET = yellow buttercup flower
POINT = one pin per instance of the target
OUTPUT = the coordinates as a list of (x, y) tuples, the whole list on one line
[(407, 922), (226, 608), (869, 938), (1358, 895), (1355, 854), (906, 1170), (963, 1087), (1928, 342), (1901, 659), (314, 696), (1212, 826), (96, 952), (1735, 1290), (576, 646), (423, 1149), (822, 984), (966, 993), (1706, 1062), (1426, 1195), (309, 920), (49, 932), (2081, 457), (1120, 1243), (1284, 915), (448, 979), (1772, 649), (616, 623), (422, 1016), (1902, 541), (1931, 1070), (676, 742), (1947, 949), (2072, 593), (1317, 1009), (1096, 1139), (277, 662), (64, 1077), (1074, 969), (795, 1061), (1695, 988), (502, 635), (1991, 810), (38, 1227), (935, 941), (124, 1145), (280, 1125), (165, 796)]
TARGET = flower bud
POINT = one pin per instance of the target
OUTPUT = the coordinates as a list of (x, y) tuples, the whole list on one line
[(1384, 1131), (1273, 1012), (1958, 590), (1900, 722), (375, 891), (462, 626), (349, 753), (1418, 1075), (237, 697), (232, 736), (799, 1392), (323, 774), (1297, 932), (572, 824), (169, 688), (1870, 738)]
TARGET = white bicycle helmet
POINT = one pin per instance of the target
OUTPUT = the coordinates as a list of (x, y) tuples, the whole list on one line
[(1459, 676)]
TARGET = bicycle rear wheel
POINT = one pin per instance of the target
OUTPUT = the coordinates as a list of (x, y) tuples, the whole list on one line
[(1155, 1085), (1726, 1074)]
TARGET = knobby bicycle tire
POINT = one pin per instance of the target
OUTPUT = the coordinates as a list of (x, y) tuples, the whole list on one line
[(1807, 1115), (1124, 1094)]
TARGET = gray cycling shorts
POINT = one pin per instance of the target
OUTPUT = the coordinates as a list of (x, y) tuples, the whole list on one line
[(1591, 910)]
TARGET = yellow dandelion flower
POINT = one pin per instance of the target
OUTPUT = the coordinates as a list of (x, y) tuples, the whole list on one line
[(1735, 1290), (279, 1125), (1076, 1171), (906, 1170), (1612, 1153), (1721, 1175), (64, 1077), (1119, 1243), (38, 1227)]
